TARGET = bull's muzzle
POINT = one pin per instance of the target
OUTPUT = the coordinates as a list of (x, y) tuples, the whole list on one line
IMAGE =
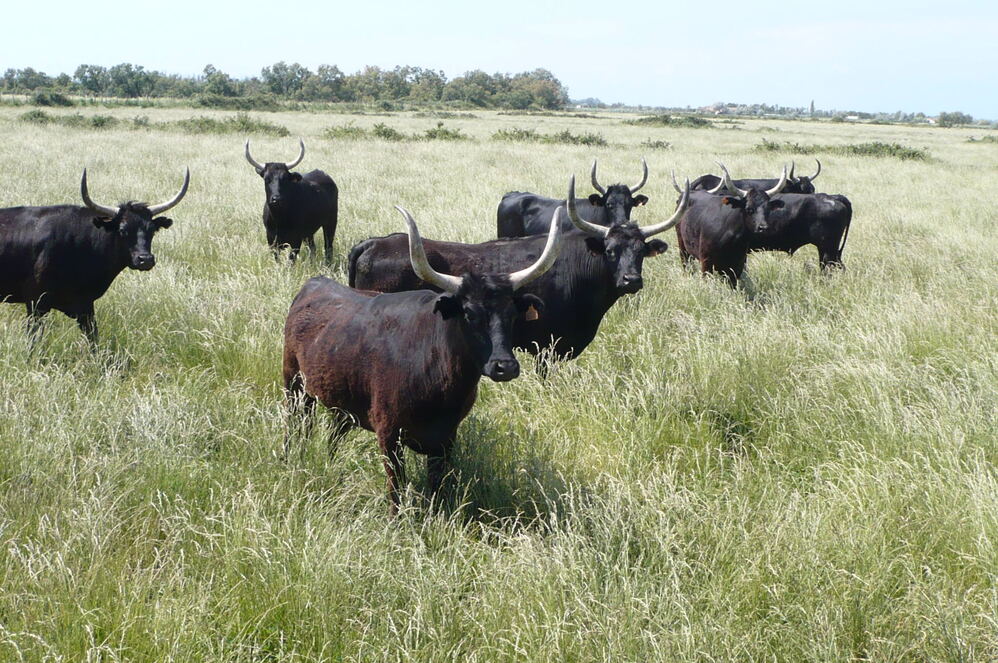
[(143, 261), (502, 370)]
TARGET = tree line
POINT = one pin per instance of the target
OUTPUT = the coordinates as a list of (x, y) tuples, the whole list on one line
[(531, 89)]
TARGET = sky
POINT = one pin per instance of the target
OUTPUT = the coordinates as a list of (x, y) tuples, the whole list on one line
[(844, 54)]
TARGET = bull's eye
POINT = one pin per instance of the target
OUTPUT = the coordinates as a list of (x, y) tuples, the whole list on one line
[(611, 254), (471, 316)]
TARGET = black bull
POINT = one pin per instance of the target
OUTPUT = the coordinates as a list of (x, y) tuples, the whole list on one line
[(64, 257), (520, 213), (407, 365), (597, 266), (819, 219), (297, 205), (802, 184)]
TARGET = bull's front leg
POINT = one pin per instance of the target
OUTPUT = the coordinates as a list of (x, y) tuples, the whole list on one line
[(391, 455)]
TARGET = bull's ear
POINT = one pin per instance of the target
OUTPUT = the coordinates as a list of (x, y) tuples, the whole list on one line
[(531, 306), (105, 223), (776, 204), (596, 200), (733, 202), (163, 222), (296, 177), (596, 245), (655, 247), (640, 199), (447, 306)]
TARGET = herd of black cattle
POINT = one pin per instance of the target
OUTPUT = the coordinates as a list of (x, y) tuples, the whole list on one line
[(401, 350)]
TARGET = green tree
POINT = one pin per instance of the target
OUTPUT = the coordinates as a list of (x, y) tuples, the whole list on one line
[(284, 79)]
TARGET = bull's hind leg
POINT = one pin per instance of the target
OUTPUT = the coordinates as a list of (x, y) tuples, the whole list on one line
[(299, 411), (36, 311), (310, 243), (391, 455)]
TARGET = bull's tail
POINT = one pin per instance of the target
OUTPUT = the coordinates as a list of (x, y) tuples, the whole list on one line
[(845, 233), (355, 253)]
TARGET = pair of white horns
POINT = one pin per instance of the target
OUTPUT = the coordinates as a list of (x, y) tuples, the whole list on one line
[(646, 231), (634, 189), (259, 167), (106, 210), (812, 178), (451, 284), (727, 183)]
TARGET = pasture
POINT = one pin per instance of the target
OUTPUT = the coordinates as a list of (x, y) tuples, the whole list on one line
[(803, 471)]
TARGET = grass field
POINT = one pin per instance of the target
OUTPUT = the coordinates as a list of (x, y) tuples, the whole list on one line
[(804, 472)]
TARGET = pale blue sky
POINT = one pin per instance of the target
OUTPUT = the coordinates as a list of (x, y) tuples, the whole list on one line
[(844, 54)]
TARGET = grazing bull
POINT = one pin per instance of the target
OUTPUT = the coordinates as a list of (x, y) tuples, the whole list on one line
[(820, 219), (521, 214), (406, 365), (802, 184), (64, 257), (297, 205), (598, 265), (716, 229)]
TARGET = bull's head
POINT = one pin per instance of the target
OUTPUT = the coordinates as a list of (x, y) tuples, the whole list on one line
[(754, 203), (625, 246), (278, 180), (133, 224), (805, 183), (618, 199), (485, 305)]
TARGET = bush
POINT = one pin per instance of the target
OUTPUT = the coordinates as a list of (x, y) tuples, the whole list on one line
[(241, 123), (385, 132), (255, 102), (48, 98), (874, 149), (36, 117), (687, 121), (347, 131), (515, 134), (440, 132), (657, 144), (983, 139), (567, 137)]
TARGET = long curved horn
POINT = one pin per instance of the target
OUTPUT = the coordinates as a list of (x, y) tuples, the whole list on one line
[(301, 154), (420, 263), (815, 176), (573, 215), (684, 202), (675, 184), (551, 250), (727, 183), (791, 175), (162, 207), (779, 185), (85, 194), (644, 177), (592, 176), (253, 162)]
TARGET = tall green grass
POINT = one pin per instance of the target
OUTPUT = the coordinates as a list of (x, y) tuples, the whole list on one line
[(804, 470)]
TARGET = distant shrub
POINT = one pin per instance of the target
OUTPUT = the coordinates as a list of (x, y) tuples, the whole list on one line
[(874, 149), (567, 137), (444, 115), (688, 121), (878, 149), (36, 117), (75, 121), (241, 123), (385, 132), (515, 134), (440, 132), (141, 122), (657, 144), (983, 139), (49, 98), (346, 131), (256, 102)]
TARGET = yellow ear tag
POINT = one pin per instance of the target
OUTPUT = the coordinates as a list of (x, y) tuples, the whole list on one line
[(531, 313)]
